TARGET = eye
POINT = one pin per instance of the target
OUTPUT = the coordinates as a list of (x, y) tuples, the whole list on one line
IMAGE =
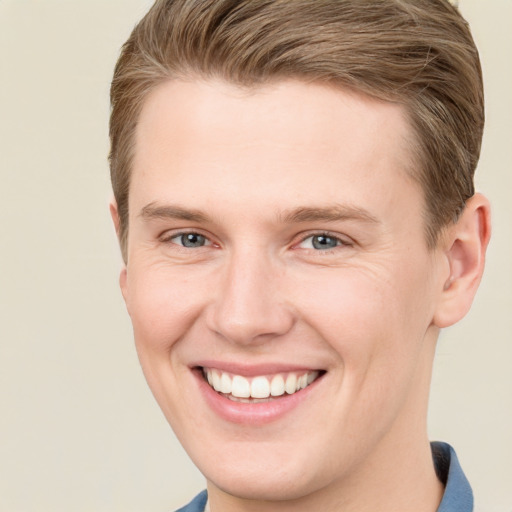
[(190, 240), (321, 242)]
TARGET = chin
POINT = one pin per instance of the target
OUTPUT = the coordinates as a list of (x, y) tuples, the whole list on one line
[(264, 477), (262, 485)]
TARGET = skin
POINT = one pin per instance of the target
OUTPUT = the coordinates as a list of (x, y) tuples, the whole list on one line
[(259, 173)]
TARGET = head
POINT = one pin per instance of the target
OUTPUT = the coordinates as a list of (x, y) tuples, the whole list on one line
[(296, 211), (419, 55)]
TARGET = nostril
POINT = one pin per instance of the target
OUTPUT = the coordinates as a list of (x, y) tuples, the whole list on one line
[(252, 325)]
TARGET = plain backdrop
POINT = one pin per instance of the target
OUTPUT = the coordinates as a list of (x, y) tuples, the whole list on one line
[(79, 430)]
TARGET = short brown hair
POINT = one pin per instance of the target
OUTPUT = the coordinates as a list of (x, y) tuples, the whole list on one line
[(417, 53)]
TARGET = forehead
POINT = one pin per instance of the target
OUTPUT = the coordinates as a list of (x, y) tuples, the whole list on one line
[(281, 142), (311, 113)]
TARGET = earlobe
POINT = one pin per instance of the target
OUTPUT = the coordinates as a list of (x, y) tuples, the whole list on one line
[(466, 244)]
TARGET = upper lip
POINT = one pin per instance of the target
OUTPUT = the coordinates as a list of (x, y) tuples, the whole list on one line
[(253, 370)]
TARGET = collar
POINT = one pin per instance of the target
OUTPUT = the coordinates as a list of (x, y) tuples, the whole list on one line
[(458, 496)]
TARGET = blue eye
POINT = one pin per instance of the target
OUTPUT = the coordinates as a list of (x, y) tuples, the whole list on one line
[(190, 240), (321, 242)]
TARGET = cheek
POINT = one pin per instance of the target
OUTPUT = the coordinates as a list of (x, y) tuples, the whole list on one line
[(162, 306), (344, 303), (376, 327), (369, 314)]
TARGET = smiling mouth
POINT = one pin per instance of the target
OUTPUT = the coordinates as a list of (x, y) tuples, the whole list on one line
[(258, 389)]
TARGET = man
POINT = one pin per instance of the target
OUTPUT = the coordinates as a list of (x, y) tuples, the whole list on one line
[(294, 201)]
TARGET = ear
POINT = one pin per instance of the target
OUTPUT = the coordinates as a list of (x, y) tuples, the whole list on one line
[(114, 213), (465, 244)]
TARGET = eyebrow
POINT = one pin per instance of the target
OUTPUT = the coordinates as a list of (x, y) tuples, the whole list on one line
[(155, 211), (334, 213), (328, 214)]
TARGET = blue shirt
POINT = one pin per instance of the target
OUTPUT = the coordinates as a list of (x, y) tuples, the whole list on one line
[(457, 497)]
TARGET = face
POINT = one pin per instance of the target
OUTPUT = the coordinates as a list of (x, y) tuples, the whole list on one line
[(279, 283)]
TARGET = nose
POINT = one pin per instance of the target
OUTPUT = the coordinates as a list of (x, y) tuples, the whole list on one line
[(249, 306)]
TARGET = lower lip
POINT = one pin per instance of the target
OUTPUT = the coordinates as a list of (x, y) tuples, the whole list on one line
[(252, 413)]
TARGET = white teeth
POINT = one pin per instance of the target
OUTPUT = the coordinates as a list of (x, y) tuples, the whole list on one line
[(291, 384), (311, 377), (225, 383), (240, 387), (215, 380), (277, 386), (260, 388)]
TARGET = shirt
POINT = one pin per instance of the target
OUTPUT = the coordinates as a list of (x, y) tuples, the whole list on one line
[(457, 497)]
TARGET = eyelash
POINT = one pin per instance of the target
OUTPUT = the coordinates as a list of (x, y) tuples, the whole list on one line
[(340, 242), (168, 238)]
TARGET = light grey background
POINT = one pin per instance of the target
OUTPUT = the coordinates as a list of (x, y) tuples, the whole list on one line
[(79, 430)]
